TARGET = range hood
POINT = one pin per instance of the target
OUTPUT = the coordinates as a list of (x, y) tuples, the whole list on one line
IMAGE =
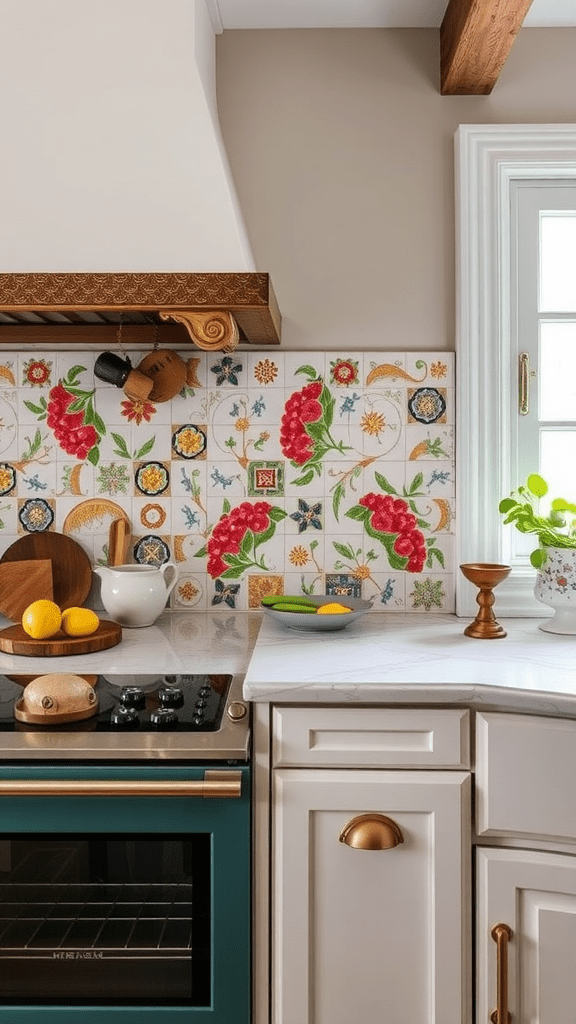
[(122, 203)]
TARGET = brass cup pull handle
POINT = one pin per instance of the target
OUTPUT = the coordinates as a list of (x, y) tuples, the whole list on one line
[(214, 784), (501, 934), (371, 832)]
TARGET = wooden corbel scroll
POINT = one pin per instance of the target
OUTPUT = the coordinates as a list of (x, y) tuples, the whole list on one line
[(211, 331)]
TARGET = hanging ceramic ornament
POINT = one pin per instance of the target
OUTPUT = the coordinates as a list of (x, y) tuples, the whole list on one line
[(168, 372)]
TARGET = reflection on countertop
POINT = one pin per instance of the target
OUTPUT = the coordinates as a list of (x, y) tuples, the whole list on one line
[(213, 641)]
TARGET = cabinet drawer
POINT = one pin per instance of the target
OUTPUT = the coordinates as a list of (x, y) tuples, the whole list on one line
[(377, 737), (525, 773)]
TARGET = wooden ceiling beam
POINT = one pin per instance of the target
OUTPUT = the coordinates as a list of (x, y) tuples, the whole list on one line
[(476, 37)]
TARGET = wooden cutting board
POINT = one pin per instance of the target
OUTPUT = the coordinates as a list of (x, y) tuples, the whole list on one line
[(14, 640), (18, 580), (71, 569)]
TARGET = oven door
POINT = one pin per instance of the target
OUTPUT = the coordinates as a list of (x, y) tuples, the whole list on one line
[(124, 895)]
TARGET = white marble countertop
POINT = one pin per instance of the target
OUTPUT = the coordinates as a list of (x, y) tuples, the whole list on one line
[(220, 641), (380, 658), (415, 658)]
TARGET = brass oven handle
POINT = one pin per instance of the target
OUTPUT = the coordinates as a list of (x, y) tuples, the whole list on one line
[(501, 934), (214, 784)]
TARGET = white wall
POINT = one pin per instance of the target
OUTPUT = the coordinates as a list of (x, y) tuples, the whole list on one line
[(109, 158)]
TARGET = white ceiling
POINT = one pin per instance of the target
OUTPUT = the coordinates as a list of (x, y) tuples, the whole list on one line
[(365, 13)]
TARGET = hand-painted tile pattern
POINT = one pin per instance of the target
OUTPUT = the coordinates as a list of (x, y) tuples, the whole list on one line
[(303, 472)]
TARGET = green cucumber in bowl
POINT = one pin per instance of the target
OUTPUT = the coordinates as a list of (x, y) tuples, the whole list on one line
[(273, 600), (292, 606)]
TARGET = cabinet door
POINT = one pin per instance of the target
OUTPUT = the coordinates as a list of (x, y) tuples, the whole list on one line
[(535, 895), (378, 936)]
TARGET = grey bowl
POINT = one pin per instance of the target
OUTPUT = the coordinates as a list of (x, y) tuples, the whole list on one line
[(321, 623)]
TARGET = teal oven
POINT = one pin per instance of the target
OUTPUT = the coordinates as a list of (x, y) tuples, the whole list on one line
[(124, 895), (125, 862)]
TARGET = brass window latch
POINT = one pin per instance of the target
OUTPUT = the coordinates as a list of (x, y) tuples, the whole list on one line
[(525, 374)]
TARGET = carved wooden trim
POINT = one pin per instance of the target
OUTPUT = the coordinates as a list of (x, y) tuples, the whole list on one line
[(249, 297), (209, 331)]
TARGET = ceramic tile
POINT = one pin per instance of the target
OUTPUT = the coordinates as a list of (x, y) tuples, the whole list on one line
[(429, 442), (387, 590), (189, 592), (265, 369), (225, 479), (384, 369), (158, 515), (226, 371), (302, 446), (297, 361), (304, 553)]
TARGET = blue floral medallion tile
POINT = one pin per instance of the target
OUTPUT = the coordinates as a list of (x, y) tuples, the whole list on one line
[(307, 515), (225, 593)]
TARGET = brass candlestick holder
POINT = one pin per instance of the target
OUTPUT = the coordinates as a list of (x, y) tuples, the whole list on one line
[(485, 576)]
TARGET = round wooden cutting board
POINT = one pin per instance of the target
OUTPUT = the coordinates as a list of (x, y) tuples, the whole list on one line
[(14, 640), (71, 569)]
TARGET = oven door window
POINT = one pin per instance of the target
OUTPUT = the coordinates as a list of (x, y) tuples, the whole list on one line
[(120, 920)]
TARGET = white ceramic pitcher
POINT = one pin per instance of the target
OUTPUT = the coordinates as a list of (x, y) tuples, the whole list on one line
[(135, 595)]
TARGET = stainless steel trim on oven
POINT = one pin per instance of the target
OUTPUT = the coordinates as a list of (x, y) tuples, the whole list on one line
[(230, 742)]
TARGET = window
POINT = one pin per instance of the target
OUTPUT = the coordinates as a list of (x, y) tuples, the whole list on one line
[(543, 339), (515, 191)]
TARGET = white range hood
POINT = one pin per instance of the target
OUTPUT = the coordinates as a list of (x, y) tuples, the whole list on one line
[(113, 159)]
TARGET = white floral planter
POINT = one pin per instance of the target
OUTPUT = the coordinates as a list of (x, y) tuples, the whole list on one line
[(556, 587)]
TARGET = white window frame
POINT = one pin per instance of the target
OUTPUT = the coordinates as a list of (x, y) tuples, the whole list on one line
[(488, 159)]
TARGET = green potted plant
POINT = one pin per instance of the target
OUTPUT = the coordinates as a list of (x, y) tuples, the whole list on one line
[(555, 557)]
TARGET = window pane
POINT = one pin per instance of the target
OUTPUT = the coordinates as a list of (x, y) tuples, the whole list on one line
[(557, 262), (557, 389), (557, 463)]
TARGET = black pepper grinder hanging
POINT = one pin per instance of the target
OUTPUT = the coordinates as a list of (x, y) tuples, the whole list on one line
[(113, 370)]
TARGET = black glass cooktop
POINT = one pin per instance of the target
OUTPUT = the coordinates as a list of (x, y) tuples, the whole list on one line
[(139, 703)]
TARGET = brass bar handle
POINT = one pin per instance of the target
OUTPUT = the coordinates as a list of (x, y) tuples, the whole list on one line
[(371, 832), (214, 784), (501, 934), (524, 384)]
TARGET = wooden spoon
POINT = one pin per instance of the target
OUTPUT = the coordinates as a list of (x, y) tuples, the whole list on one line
[(118, 541)]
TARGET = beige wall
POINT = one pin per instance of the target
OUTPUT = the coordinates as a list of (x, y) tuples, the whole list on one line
[(342, 151)]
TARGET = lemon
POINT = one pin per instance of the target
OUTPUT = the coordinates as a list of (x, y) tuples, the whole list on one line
[(41, 619), (334, 608), (79, 621)]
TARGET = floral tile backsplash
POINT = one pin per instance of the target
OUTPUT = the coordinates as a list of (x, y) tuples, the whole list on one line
[(276, 472)]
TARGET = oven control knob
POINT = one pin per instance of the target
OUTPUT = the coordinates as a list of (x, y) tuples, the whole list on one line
[(132, 697), (171, 698), (164, 718), (237, 711), (124, 718)]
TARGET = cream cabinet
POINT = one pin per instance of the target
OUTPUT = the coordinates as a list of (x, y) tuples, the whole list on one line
[(533, 895), (526, 897), (385, 936), (377, 935)]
